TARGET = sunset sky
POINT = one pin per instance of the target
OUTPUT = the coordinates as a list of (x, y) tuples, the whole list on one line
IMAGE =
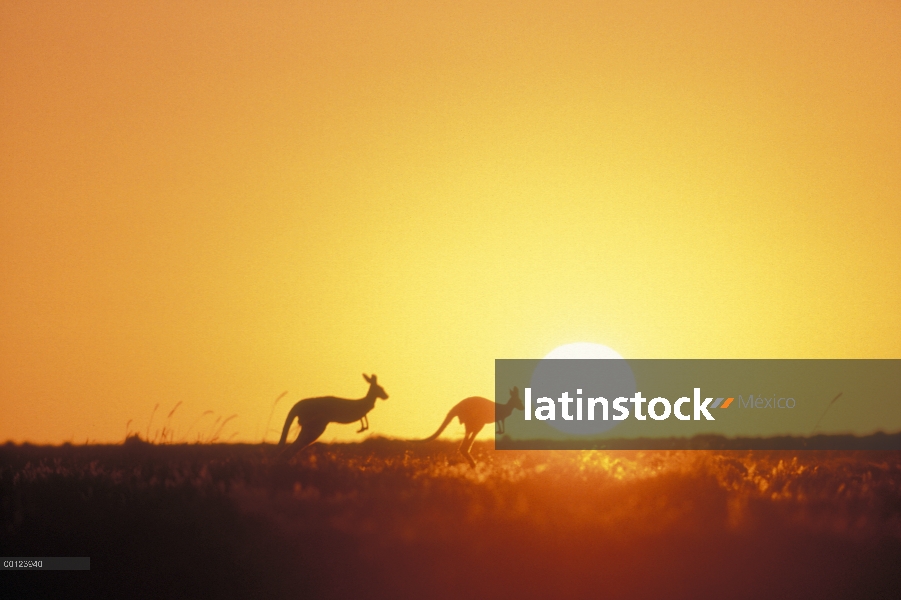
[(212, 203)]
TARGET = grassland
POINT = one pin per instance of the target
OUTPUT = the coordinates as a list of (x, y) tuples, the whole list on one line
[(391, 519)]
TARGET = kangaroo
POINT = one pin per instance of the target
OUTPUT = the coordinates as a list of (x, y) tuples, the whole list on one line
[(314, 414), (476, 412)]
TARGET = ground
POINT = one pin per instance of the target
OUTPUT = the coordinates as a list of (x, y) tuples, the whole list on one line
[(394, 519)]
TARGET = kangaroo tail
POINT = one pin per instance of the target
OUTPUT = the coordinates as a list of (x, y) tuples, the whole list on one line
[(288, 422), (450, 417)]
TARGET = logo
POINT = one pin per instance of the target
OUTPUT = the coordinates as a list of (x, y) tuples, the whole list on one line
[(658, 408)]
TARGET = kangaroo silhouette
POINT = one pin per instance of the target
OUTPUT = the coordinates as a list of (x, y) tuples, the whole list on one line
[(314, 415), (476, 412)]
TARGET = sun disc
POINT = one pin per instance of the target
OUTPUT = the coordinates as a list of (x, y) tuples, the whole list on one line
[(583, 350), (608, 375)]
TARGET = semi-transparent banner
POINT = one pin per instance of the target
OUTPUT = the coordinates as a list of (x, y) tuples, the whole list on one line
[(736, 404)]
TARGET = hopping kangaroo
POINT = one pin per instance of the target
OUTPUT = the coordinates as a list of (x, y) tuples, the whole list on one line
[(314, 414), (475, 413)]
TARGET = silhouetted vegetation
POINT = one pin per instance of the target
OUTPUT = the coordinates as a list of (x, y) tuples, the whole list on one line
[(391, 519), (876, 441)]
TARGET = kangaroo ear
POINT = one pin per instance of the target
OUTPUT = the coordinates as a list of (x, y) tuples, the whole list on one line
[(374, 379), (515, 390), (368, 380)]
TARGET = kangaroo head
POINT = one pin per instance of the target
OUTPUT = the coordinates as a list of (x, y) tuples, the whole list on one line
[(514, 399), (374, 388)]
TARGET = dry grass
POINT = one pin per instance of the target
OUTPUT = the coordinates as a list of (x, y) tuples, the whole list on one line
[(201, 431), (395, 519)]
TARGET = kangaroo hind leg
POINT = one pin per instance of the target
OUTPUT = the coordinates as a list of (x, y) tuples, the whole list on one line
[(309, 433), (466, 445)]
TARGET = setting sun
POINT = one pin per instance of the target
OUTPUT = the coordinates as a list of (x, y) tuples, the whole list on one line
[(583, 350)]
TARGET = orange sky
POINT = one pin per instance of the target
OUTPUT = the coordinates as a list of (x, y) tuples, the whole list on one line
[(214, 203)]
